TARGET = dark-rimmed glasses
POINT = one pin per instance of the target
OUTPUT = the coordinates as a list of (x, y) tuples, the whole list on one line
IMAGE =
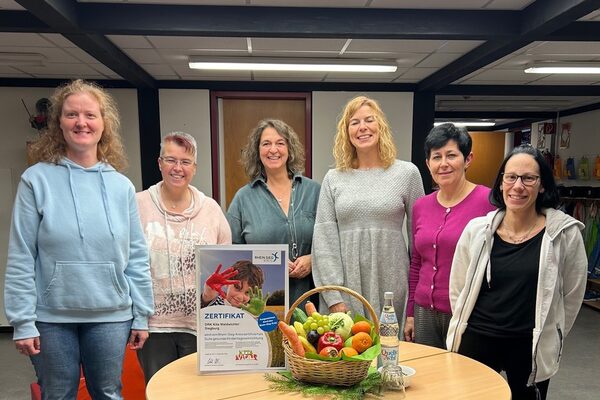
[(527, 180)]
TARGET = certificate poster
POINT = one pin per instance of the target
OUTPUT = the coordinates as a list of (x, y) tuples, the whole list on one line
[(243, 293)]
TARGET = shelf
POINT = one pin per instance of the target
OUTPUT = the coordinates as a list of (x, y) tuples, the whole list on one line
[(595, 281), (592, 303)]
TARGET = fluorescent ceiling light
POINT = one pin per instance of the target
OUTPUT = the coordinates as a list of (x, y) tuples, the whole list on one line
[(291, 64), (466, 123), (564, 68), (14, 59)]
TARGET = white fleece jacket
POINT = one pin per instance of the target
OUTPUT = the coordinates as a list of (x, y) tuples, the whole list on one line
[(560, 289)]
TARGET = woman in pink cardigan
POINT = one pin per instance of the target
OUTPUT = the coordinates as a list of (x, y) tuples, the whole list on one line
[(438, 221), (175, 218)]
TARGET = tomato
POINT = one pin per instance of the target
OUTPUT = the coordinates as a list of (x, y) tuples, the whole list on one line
[(329, 351)]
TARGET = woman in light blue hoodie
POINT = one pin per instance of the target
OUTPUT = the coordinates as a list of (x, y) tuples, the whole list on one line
[(78, 286)]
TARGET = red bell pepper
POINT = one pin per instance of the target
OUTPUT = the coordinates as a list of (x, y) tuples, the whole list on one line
[(330, 339)]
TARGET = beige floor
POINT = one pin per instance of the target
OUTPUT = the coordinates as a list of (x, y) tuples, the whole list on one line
[(578, 377)]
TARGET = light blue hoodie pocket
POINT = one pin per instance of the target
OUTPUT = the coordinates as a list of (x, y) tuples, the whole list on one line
[(84, 285)]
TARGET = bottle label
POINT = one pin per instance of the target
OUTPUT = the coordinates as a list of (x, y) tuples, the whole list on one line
[(388, 318), (389, 330), (389, 355)]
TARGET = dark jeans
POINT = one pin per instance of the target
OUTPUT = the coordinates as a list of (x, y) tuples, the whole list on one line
[(512, 355), (163, 348)]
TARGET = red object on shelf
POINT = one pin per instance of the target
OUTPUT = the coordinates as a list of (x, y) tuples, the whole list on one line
[(134, 385)]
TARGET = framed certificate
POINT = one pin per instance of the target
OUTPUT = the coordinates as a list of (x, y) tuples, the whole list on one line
[(242, 294)]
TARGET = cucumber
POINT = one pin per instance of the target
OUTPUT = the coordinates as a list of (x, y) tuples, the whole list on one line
[(299, 315)]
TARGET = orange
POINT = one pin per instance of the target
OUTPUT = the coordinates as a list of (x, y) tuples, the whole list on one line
[(361, 341), (361, 326), (349, 351)]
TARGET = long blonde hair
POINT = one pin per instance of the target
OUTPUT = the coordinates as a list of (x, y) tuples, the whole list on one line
[(343, 150), (51, 145)]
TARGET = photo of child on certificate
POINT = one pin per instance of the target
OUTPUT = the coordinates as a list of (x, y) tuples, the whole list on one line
[(243, 294)]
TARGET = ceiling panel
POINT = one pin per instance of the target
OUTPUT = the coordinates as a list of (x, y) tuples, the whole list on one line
[(455, 4), (331, 45), (58, 40), (144, 56), (187, 42), (418, 73), (63, 70), (565, 48), (506, 74), (311, 3), (17, 39), (159, 70), (130, 42), (394, 45), (80, 55), (10, 5), (438, 60), (50, 54)]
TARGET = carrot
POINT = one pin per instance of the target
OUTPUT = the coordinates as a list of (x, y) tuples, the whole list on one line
[(310, 308), (292, 336)]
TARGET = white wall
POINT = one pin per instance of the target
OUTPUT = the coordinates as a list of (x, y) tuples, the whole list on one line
[(327, 107), (188, 110), (16, 131)]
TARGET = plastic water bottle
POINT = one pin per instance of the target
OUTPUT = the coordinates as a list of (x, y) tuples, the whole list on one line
[(388, 332)]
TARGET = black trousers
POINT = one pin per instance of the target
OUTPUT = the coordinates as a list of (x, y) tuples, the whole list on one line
[(512, 355)]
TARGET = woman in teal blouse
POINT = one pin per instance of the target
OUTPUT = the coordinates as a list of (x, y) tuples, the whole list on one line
[(278, 205)]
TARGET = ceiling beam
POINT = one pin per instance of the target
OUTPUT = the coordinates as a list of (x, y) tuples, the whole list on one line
[(305, 22), (576, 32), (62, 16), (521, 90), (494, 114), (22, 21), (524, 123), (538, 19), (579, 110)]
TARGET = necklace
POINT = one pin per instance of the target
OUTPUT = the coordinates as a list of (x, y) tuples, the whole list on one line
[(170, 203), (520, 239), (280, 198)]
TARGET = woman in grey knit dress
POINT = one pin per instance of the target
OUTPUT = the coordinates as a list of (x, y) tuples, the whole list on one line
[(358, 240)]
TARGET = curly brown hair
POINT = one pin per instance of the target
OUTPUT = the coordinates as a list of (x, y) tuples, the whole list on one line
[(51, 145), (343, 150), (251, 154)]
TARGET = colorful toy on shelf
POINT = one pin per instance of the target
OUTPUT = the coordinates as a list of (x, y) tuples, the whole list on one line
[(557, 171), (583, 172), (570, 168)]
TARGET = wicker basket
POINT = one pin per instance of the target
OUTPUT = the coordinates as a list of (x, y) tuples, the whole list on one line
[(337, 373)]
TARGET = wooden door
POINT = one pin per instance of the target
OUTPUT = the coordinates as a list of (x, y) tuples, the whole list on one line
[(240, 116), (488, 153)]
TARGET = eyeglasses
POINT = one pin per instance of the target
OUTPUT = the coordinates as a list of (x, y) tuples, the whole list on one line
[(173, 161), (527, 180)]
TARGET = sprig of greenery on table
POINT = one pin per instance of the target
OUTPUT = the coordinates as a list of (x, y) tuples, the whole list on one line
[(284, 382)]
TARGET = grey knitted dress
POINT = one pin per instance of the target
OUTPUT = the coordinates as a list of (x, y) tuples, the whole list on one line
[(358, 241)]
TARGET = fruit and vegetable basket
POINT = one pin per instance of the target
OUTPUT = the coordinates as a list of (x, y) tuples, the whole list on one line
[(333, 349)]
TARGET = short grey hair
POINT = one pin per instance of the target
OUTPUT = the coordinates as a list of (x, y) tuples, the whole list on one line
[(182, 139)]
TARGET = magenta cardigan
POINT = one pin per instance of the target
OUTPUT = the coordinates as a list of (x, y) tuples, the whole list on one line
[(436, 231)]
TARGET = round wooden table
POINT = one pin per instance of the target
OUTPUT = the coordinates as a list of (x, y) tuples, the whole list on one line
[(440, 375)]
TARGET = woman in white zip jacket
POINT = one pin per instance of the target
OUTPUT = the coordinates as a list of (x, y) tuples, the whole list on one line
[(518, 278)]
